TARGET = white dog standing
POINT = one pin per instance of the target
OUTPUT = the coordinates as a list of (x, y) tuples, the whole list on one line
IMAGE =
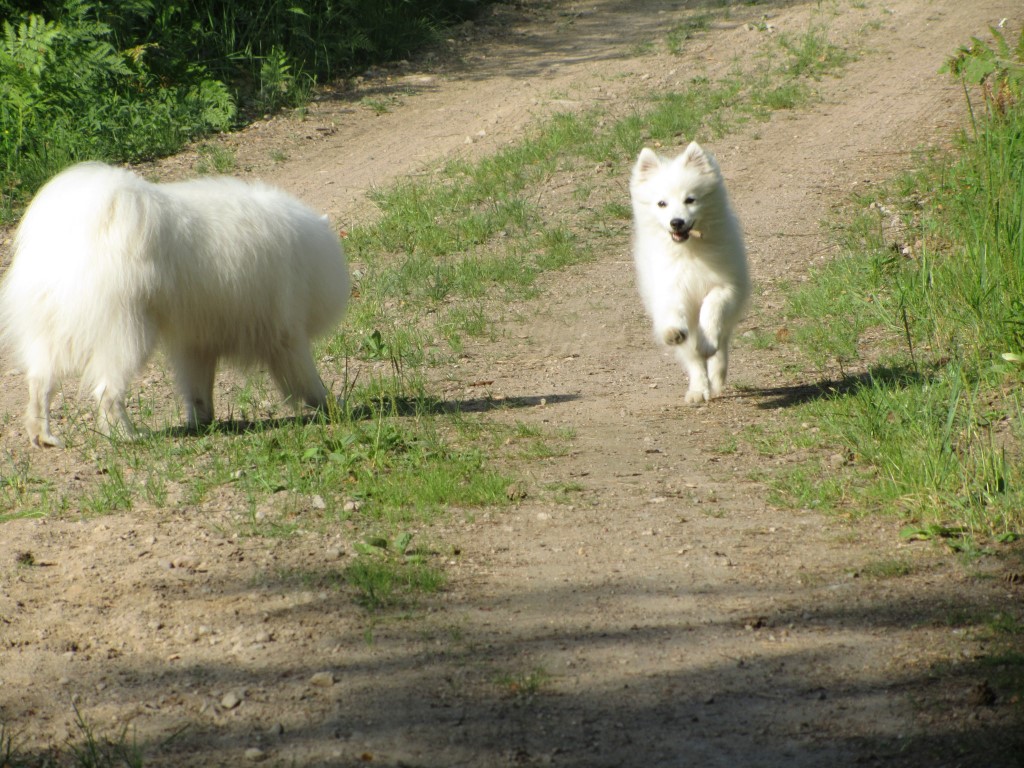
[(107, 264), (690, 262)]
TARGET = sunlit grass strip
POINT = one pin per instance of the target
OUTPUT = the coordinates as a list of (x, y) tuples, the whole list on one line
[(937, 430)]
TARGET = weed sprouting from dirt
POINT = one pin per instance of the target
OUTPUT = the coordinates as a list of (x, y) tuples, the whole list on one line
[(523, 685)]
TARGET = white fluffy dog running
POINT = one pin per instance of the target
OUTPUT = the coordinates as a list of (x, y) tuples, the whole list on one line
[(690, 262), (107, 264)]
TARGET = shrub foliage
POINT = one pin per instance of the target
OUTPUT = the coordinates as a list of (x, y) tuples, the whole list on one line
[(134, 79)]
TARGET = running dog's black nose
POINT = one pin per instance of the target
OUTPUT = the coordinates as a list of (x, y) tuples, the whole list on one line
[(679, 230)]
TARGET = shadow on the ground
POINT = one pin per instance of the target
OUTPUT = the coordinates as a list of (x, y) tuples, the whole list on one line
[(772, 398), (391, 406), (465, 689)]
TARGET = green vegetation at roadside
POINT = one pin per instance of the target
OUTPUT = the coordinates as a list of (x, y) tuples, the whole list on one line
[(920, 324), (136, 79)]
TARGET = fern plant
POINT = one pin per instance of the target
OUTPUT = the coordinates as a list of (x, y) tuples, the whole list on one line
[(23, 57), (997, 67), (68, 93), (132, 79)]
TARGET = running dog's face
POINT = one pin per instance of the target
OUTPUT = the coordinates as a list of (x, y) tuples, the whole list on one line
[(674, 192)]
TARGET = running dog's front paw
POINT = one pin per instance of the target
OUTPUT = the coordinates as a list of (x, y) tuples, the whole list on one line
[(697, 397), (705, 347), (674, 336)]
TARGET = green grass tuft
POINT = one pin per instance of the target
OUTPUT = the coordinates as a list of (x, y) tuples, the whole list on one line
[(923, 318)]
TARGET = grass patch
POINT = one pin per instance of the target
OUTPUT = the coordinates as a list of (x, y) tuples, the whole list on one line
[(809, 486), (886, 569), (931, 272), (566, 492), (23, 492), (524, 685), (727, 447), (533, 443), (392, 451), (687, 30), (385, 573), (85, 750), (215, 160), (813, 54), (389, 583)]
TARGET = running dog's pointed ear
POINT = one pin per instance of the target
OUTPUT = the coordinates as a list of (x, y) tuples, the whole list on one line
[(696, 157), (646, 164)]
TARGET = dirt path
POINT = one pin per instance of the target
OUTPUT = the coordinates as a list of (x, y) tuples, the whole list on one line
[(669, 615)]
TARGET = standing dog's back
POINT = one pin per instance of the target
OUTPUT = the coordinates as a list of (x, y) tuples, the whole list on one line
[(106, 264)]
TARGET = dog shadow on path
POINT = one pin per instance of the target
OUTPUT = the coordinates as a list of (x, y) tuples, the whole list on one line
[(392, 406), (772, 398)]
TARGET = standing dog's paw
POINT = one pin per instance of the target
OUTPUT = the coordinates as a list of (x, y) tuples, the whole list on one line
[(674, 336), (45, 440)]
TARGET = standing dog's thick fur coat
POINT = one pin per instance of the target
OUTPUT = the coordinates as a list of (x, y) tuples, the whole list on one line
[(690, 261), (107, 264)]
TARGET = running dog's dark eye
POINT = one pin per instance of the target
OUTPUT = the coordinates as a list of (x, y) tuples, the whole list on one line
[(662, 203), (690, 200)]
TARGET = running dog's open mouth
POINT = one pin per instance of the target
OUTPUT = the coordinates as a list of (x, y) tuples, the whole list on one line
[(683, 234), (679, 229)]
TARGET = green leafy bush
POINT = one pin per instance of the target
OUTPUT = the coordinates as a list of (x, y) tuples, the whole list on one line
[(133, 79), (998, 67), (67, 93)]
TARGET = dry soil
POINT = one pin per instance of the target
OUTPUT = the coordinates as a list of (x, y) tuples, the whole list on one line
[(666, 614)]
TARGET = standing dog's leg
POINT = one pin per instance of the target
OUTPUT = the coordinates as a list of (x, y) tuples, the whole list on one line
[(37, 416), (194, 371), (295, 374)]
